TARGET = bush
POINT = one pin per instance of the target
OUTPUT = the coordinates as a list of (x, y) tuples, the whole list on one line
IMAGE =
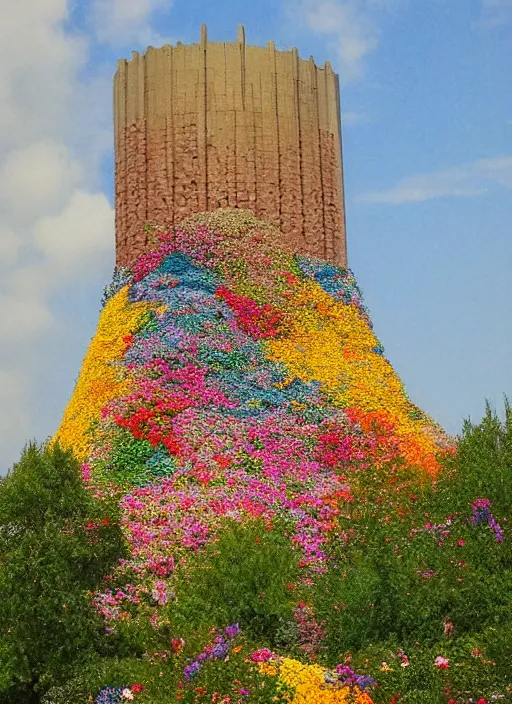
[(416, 579), (56, 543), (420, 575), (242, 578)]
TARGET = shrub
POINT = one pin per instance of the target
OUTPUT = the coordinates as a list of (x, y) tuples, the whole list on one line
[(242, 578), (56, 543), (422, 575)]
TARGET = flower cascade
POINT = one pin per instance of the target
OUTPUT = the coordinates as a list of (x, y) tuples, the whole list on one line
[(231, 378)]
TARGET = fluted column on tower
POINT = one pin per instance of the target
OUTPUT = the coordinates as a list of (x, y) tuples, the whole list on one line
[(216, 124)]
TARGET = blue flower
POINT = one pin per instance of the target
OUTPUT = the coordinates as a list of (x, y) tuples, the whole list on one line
[(110, 695)]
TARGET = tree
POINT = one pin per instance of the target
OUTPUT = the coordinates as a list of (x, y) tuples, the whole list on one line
[(57, 541)]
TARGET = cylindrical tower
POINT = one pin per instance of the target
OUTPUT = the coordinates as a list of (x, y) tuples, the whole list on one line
[(216, 124)]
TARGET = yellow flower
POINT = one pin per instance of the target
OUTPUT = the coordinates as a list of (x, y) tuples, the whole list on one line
[(266, 669), (330, 342), (99, 380), (310, 686)]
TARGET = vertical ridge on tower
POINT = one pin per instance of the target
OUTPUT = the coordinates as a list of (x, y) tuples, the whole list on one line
[(217, 123)]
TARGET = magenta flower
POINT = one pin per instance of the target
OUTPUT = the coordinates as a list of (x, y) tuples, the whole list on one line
[(262, 655), (481, 503)]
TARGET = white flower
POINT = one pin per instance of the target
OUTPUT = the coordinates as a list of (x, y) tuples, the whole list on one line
[(127, 694)]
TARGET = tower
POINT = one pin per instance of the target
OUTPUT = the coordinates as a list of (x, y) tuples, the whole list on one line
[(216, 124)]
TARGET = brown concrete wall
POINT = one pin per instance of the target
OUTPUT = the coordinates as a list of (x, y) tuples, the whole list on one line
[(216, 124)]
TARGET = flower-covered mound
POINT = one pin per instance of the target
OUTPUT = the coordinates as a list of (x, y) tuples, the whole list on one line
[(233, 379)]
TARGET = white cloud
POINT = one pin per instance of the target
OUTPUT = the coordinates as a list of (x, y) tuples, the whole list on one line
[(56, 229), (79, 237), (38, 64), (38, 177), (472, 179), (24, 317), (496, 13), (124, 22), (45, 198), (9, 246), (351, 25)]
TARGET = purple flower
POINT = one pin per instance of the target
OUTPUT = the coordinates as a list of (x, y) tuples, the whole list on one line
[(349, 677), (481, 513), (232, 631), (220, 651), (344, 670), (496, 528), (192, 670)]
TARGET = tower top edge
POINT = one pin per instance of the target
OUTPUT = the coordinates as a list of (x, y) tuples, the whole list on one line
[(203, 42)]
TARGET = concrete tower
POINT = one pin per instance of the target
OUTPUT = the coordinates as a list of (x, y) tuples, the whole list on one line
[(216, 124)]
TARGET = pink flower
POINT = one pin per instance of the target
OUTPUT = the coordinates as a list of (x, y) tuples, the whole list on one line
[(481, 503), (262, 655), (441, 662)]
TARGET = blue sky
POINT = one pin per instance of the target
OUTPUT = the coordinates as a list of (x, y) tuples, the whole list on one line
[(427, 137)]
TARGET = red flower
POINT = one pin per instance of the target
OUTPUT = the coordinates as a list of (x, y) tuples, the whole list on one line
[(258, 321), (177, 644), (136, 688), (128, 341), (223, 461)]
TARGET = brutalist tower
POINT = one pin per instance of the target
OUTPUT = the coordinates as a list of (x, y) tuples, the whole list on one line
[(216, 124)]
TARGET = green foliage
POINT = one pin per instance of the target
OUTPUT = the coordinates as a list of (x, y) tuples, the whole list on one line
[(161, 676), (242, 578), (92, 676), (239, 677), (56, 543), (416, 579), (133, 462), (482, 466), (148, 323), (128, 460), (473, 672), (419, 575)]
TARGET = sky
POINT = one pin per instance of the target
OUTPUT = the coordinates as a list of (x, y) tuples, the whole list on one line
[(427, 146)]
